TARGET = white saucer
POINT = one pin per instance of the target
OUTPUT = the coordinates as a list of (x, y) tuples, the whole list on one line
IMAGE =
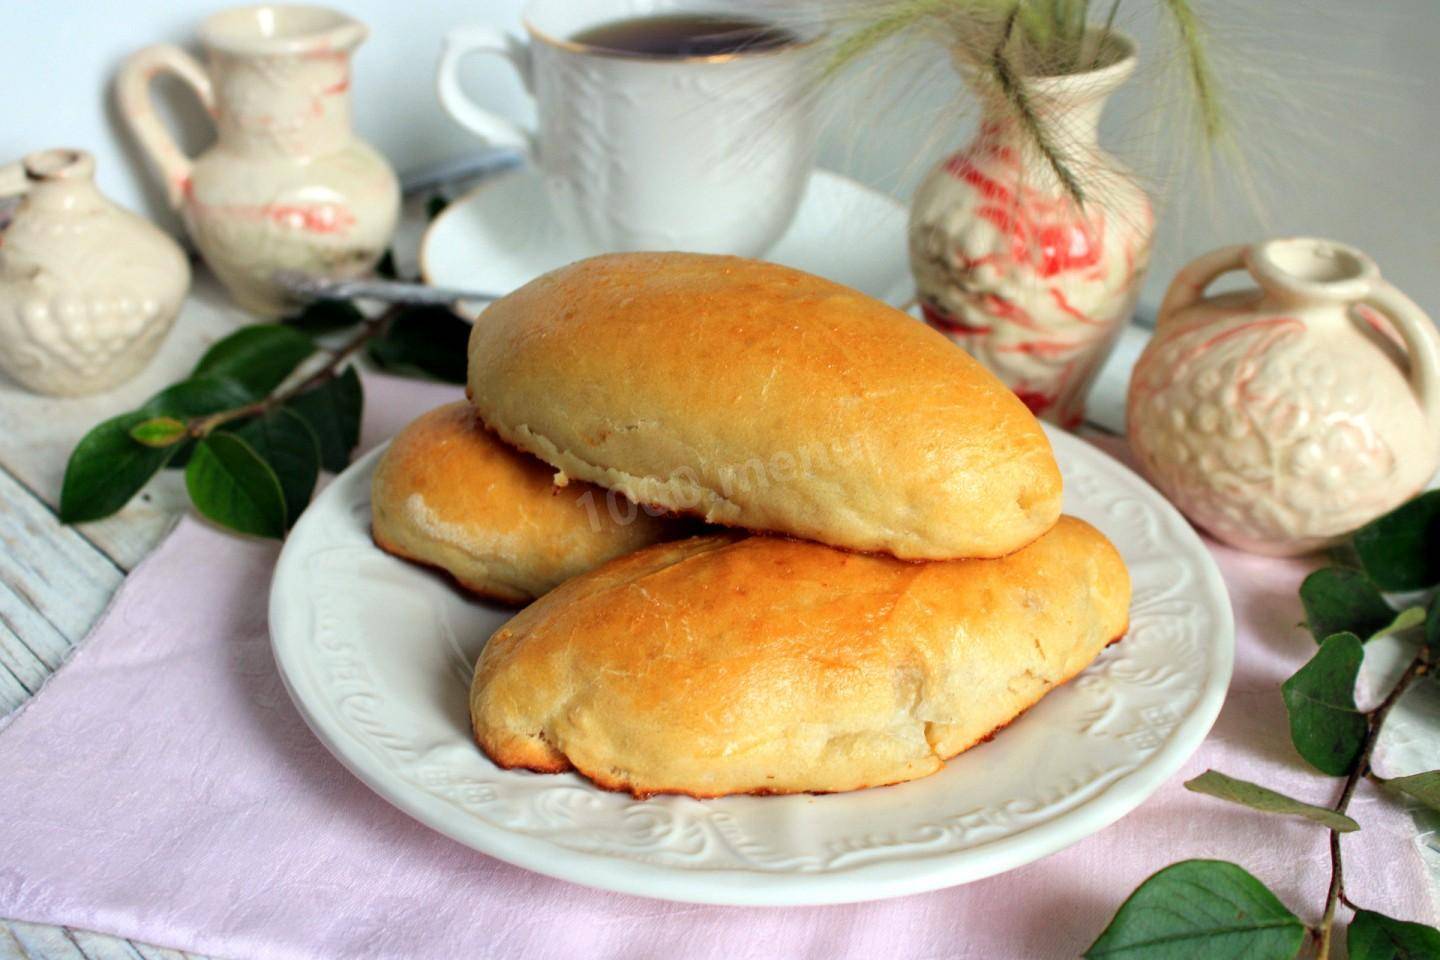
[(502, 235), (377, 654)]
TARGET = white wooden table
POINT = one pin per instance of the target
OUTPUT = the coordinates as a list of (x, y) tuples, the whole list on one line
[(55, 580)]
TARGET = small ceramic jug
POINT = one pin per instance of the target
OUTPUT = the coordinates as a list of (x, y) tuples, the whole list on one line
[(1009, 267), (87, 289), (287, 186), (1281, 418)]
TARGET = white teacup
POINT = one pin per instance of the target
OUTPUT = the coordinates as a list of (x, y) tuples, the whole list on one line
[(706, 154)]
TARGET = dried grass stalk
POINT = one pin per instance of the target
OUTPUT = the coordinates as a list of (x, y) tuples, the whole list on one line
[(1009, 41)]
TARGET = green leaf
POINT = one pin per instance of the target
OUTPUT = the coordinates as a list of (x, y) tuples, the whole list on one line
[(230, 484), (425, 341), (333, 411), (1339, 598), (1401, 550), (1406, 619), (158, 432), (1424, 787), (1198, 910), (107, 468), (196, 397), (386, 267), (285, 441), (1215, 784), (1325, 725), (258, 357), (1372, 936), (325, 316)]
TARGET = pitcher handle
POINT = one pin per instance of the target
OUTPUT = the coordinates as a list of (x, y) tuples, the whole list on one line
[(1189, 284), (493, 129), (138, 109), (1422, 342)]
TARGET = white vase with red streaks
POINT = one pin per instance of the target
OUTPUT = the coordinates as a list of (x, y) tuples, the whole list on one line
[(287, 186), (1282, 417), (1009, 267)]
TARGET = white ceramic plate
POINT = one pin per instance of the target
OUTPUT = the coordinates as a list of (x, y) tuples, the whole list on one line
[(502, 235), (377, 654)]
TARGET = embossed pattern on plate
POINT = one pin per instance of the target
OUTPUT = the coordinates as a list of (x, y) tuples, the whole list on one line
[(377, 654)]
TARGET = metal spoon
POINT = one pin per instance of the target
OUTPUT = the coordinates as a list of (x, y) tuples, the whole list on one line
[(305, 287)]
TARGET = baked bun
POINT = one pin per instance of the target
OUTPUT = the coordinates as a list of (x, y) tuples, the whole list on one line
[(723, 664), (450, 494), (761, 397)]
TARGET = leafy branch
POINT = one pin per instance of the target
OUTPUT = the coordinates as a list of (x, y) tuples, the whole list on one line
[(1336, 893), (370, 328), (1201, 908), (261, 414)]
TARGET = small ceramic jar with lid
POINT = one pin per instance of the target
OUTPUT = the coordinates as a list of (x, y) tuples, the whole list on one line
[(87, 289)]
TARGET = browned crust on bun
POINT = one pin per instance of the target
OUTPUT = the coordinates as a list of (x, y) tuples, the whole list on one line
[(760, 397), (725, 664), (557, 763), (479, 588), (450, 494)]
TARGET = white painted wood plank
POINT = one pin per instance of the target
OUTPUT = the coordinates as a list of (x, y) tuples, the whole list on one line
[(10, 948), (18, 663), (12, 692), (30, 647), (40, 431), (53, 582), (98, 946), (46, 943), (148, 952), (34, 941), (53, 586)]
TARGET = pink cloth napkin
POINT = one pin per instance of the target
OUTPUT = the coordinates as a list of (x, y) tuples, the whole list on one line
[(163, 788)]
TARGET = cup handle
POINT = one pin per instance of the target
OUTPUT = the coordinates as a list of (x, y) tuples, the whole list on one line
[(491, 128), (138, 109), (1422, 342), (1189, 284)]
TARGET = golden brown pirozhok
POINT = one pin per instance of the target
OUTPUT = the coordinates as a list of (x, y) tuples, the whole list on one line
[(448, 493), (727, 664), (761, 397)]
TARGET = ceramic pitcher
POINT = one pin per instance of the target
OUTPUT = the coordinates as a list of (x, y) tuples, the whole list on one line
[(1282, 417), (87, 288), (1009, 267), (287, 185)]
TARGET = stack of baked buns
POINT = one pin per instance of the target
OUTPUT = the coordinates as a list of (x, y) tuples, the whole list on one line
[(886, 580)]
